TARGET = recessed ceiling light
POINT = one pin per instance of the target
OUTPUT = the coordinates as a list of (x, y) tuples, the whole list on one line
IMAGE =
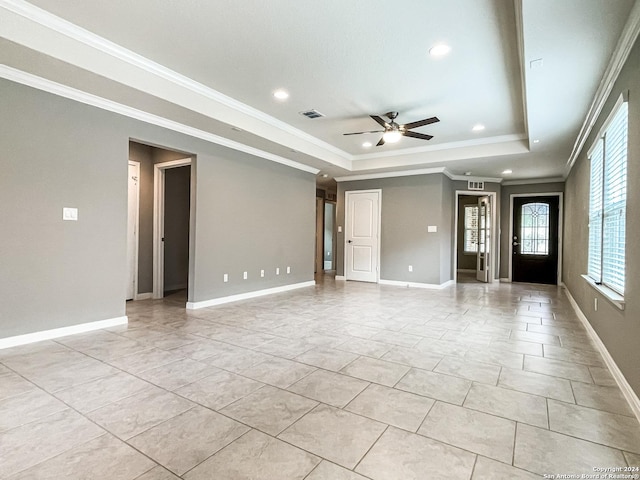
[(439, 50), (536, 141), (281, 94), (367, 144), (325, 175), (467, 174), (478, 128), (507, 172)]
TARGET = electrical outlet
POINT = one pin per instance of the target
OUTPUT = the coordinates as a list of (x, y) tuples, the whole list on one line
[(261, 273), (225, 277), (411, 268), (288, 269), (277, 270), (245, 275)]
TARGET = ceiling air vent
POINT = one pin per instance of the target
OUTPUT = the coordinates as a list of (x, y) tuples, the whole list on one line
[(312, 114), (471, 185)]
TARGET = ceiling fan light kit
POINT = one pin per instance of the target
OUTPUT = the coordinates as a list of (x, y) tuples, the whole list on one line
[(393, 131)]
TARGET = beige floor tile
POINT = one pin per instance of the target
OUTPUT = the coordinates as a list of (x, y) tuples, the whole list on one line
[(394, 407), (278, 372), (269, 409), (256, 456), (474, 371), (617, 431), (609, 399), (543, 338), (103, 457), (12, 384), (203, 348), (517, 346), (145, 360), (602, 376), (435, 385), (158, 473), (330, 471), (286, 348), (413, 358), (543, 452), (237, 359), (103, 391), (536, 384), (487, 469), (632, 460), (361, 346), (496, 357), (181, 443), (557, 368), (522, 407), (327, 358), (27, 407), (178, 374), (584, 357), (329, 387), (219, 390), (400, 455), (30, 444), (339, 436), (401, 339), (377, 371), (133, 415), (477, 432)]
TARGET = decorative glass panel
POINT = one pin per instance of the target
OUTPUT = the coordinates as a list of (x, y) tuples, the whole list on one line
[(534, 229), (470, 228)]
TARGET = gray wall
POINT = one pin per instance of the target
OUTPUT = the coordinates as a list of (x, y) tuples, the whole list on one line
[(177, 190), (465, 261), (249, 213), (409, 205), (619, 330), (505, 218)]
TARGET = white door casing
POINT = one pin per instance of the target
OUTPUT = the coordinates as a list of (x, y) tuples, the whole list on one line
[(362, 235), (483, 268), (133, 202)]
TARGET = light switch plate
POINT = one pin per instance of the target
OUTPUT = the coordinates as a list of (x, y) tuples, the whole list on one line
[(69, 213), (432, 228)]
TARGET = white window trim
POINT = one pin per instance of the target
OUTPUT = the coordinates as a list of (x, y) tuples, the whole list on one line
[(464, 232), (613, 296)]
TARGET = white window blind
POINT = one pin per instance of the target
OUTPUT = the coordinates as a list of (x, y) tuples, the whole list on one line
[(608, 204), (471, 228)]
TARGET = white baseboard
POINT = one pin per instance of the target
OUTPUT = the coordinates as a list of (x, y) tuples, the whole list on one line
[(432, 286), (61, 332), (340, 277), (627, 391), (247, 295), (143, 296)]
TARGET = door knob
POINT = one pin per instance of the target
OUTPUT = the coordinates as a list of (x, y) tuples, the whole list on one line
[(349, 241), (515, 244)]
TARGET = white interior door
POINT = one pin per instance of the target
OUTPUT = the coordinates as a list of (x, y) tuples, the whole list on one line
[(132, 229), (362, 241), (484, 240)]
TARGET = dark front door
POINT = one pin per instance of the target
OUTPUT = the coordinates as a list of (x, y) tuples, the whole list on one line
[(535, 239)]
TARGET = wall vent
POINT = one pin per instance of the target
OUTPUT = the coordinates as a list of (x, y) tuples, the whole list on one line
[(312, 114), (472, 185)]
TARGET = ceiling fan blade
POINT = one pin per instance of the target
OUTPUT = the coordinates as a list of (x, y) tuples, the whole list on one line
[(381, 142), (421, 136), (360, 133), (380, 121), (421, 123)]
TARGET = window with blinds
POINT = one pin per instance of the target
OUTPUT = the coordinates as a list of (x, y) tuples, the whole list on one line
[(608, 202), (471, 229)]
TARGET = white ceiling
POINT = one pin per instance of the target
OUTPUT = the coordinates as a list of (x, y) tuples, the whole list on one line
[(213, 65)]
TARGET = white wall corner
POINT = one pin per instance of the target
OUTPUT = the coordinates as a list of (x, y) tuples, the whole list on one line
[(627, 391), (61, 332)]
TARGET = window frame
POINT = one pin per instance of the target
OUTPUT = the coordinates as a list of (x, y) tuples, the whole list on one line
[(466, 229), (599, 206)]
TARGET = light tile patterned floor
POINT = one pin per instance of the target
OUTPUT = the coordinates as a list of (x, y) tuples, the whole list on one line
[(342, 381)]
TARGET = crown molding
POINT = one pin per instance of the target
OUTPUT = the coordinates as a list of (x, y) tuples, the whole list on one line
[(443, 146), (397, 173), (79, 34), (49, 86), (533, 181), (620, 55)]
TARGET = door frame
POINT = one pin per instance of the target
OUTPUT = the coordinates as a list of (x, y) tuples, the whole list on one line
[(159, 170), (346, 219), (136, 250), (560, 196), (495, 241)]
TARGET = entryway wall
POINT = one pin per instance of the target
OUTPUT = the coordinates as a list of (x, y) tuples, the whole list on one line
[(148, 156)]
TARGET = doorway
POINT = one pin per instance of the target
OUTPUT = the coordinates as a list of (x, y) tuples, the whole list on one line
[(535, 238), (362, 241), (329, 236), (171, 226), (476, 256)]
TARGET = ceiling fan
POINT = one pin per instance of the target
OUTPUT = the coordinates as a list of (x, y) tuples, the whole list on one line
[(393, 131)]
